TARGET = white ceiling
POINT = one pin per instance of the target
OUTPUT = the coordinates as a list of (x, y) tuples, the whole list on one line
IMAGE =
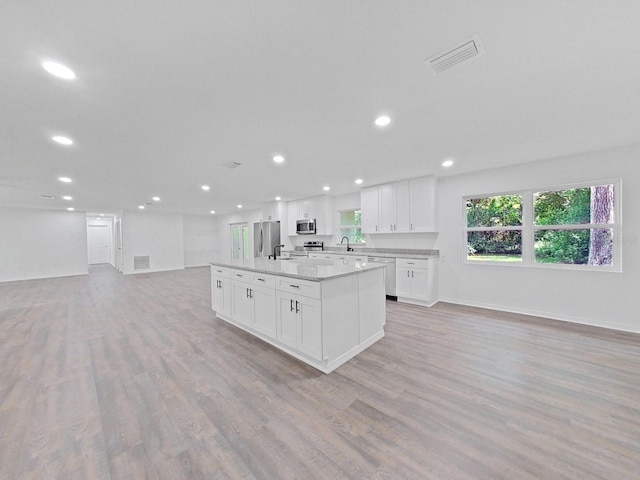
[(168, 92)]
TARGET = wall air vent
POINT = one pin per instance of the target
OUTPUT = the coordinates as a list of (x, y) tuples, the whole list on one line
[(232, 165), (451, 57), (141, 262)]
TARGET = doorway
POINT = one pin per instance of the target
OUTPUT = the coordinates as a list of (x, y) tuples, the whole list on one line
[(239, 241), (100, 240)]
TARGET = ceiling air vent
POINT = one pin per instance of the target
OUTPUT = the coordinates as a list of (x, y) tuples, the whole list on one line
[(232, 165), (141, 262), (48, 197), (451, 57)]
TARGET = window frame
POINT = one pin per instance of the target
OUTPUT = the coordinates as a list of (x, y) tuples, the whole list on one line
[(528, 228)]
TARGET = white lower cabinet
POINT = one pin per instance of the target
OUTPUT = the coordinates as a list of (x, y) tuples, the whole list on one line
[(221, 290), (253, 301), (416, 281), (300, 323)]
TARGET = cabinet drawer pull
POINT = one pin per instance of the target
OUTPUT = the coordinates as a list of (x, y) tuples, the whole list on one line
[(294, 286), (261, 279), (410, 263), (219, 271), (238, 275)]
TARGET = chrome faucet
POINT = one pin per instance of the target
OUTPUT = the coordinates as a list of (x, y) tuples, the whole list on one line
[(349, 249), (275, 256)]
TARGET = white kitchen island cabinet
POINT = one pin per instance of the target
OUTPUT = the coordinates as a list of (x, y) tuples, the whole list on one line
[(320, 311)]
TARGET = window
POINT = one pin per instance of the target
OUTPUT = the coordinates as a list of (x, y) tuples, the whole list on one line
[(571, 227), (350, 226), (494, 228)]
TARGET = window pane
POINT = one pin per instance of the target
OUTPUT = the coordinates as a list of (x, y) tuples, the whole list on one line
[(502, 246), (498, 211), (574, 206), (575, 247), (354, 234), (350, 217)]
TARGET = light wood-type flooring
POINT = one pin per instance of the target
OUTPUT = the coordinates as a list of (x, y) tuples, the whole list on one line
[(107, 376)]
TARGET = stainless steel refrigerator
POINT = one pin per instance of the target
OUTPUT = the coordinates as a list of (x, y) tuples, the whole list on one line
[(266, 235)]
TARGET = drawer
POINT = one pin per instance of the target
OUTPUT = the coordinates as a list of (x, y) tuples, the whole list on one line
[(217, 271), (298, 287), (242, 275), (268, 281), (412, 263)]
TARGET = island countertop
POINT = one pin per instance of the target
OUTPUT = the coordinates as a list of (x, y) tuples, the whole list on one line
[(313, 269)]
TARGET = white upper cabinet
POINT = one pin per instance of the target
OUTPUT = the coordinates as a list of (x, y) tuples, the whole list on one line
[(369, 209), (273, 211), (422, 205), (400, 207), (319, 207), (292, 216)]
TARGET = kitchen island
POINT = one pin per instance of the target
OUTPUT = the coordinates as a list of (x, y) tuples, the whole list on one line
[(322, 312)]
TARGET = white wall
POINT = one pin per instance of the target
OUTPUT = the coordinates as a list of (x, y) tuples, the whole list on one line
[(159, 235), (199, 232), (42, 244), (606, 299)]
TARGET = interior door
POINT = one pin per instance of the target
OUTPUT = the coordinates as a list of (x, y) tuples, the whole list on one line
[(99, 243)]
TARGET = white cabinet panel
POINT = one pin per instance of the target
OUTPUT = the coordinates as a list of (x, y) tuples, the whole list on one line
[(292, 217), (299, 323), (422, 204), (264, 310), (387, 207), (416, 281), (242, 309), (402, 221), (369, 204)]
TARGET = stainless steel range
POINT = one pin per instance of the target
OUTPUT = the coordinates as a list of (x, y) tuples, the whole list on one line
[(314, 246)]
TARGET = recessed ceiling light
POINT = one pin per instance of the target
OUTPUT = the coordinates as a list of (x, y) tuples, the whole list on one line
[(67, 197), (326, 188), (62, 140), (359, 181), (212, 212), (278, 159), (156, 199), (102, 214), (239, 206), (447, 163), (59, 70), (65, 179), (278, 199), (383, 121), (205, 188), (71, 209), (141, 207)]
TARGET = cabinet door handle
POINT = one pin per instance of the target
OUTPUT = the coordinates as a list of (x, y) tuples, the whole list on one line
[(411, 273), (390, 227), (407, 273), (297, 309), (291, 305), (294, 286), (376, 228), (412, 226)]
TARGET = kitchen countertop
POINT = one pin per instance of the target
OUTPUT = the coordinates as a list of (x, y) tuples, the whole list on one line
[(313, 269), (376, 252)]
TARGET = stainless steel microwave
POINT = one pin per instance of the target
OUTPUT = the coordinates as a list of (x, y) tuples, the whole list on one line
[(306, 226)]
